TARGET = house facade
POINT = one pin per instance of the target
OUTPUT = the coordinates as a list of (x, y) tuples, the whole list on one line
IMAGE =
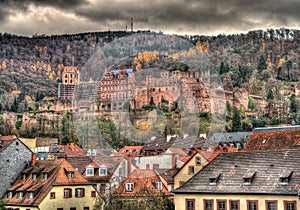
[(14, 157), (51, 185), (258, 180), (196, 162)]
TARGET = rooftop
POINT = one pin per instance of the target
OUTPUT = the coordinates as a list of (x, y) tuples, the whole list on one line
[(265, 168)]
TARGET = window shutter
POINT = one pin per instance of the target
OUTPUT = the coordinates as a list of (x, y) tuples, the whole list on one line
[(83, 192), (70, 193), (76, 193)]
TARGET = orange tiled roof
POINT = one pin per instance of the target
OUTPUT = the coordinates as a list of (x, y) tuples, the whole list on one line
[(11, 137), (71, 150), (130, 150), (273, 140), (144, 181), (56, 175)]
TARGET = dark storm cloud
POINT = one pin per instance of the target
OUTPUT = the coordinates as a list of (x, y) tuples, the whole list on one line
[(10, 7), (210, 14), (182, 16)]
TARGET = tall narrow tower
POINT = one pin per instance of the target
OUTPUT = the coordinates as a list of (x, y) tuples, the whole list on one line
[(132, 24)]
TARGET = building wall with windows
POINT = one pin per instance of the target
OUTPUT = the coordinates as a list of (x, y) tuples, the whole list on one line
[(184, 201), (188, 170), (14, 156), (57, 198)]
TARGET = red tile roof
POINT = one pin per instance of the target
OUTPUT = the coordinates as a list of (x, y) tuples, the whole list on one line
[(144, 181), (273, 140), (71, 150), (56, 175)]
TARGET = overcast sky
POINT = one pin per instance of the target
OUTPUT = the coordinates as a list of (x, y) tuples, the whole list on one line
[(27, 17)]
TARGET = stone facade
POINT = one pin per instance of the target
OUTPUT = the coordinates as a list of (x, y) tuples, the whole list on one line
[(14, 157)]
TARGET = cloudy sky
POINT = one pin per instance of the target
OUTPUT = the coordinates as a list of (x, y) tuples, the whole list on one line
[(27, 17)]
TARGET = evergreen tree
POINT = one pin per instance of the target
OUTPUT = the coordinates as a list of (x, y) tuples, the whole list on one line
[(236, 120), (14, 106), (261, 64), (270, 95)]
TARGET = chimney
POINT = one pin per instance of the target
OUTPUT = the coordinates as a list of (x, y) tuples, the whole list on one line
[(33, 159), (72, 146), (169, 138)]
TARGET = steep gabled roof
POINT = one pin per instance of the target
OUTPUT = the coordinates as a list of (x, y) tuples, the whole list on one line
[(167, 174), (80, 162), (232, 168)]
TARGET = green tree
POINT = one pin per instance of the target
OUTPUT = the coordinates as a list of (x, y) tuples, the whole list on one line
[(15, 105), (261, 64), (2, 203), (293, 104), (236, 120), (251, 104), (270, 95), (151, 103)]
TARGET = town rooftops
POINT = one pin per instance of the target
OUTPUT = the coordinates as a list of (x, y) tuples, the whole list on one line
[(256, 172), (71, 150), (276, 139), (141, 182), (230, 138)]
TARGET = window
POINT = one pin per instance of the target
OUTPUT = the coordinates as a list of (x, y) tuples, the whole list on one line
[(214, 177), (155, 166), (67, 193), (102, 171), (9, 194), (79, 192), (191, 170), (71, 174), (60, 208), (34, 176), (234, 205), (271, 205), (23, 176), (52, 195), (89, 172), (289, 205), (129, 186), (247, 181), (73, 208), (20, 195), (198, 161), (190, 204), (221, 204), (252, 205), (93, 193), (45, 176), (158, 185), (30, 195), (208, 204), (147, 166), (86, 208)]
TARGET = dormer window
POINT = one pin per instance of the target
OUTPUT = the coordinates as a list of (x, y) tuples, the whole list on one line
[(159, 185), (264, 141), (102, 171), (9, 194), (285, 177), (214, 177), (45, 176), (71, 174), (30, 195), (34, 176), (20, 195), (248, 177), (89, 171), (129, 186), (23, 176)]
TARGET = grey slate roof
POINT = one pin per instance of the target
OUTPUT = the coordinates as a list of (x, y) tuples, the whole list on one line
[(265, 167)]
